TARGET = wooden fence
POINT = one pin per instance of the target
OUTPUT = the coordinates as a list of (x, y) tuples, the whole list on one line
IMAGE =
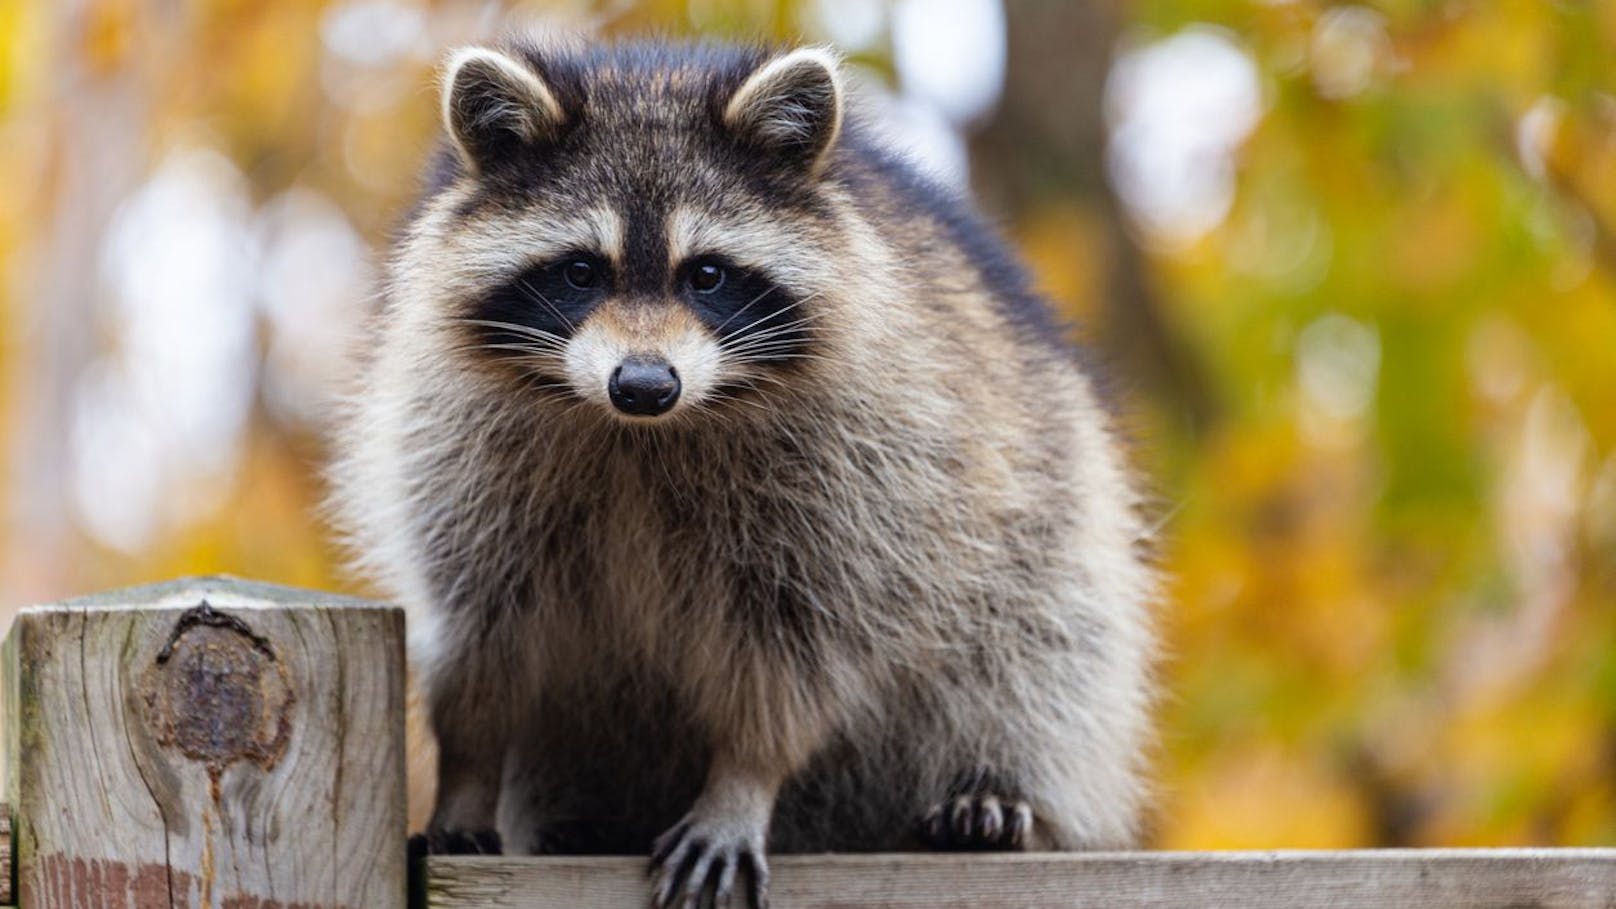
[(229, 745)]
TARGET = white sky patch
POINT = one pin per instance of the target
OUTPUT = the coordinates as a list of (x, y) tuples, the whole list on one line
[(375, 33), (1541, 498), (1179, 108), (118, 457), (158, 422), (851, 25), (371, 48), (1348, 49), (1534, 134), (1545, 489), (950, 54), (1338, 366), (1284, 240), (314, 282)]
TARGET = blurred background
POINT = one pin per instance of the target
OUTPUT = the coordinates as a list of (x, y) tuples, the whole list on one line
[(1352, 268)]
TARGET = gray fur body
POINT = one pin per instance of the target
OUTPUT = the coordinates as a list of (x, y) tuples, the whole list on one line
[(816, 600)]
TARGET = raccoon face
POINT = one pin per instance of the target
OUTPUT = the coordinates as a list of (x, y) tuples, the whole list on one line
[(649, 230)]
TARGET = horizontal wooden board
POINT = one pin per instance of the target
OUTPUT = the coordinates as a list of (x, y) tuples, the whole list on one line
[(1374, 879)]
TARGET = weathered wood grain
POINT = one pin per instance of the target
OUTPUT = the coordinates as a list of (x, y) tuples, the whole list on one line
[(1382, 879), (206, 743), (5, 855)]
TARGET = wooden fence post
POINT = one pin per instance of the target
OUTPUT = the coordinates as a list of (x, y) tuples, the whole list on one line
[(5, 855), (206, 743)]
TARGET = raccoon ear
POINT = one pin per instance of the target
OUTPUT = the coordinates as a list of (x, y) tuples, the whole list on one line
[(791, 104), (494, 104)]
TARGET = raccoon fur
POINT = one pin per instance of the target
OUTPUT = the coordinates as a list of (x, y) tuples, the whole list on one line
[(741, 492)]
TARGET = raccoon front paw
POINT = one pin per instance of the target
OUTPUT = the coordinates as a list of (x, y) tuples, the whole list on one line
[(697, 863), (445, 841), (978, 821)]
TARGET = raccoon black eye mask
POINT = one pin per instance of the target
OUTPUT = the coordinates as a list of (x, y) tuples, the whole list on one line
[(744, 497), (748, 314), (736, 303)]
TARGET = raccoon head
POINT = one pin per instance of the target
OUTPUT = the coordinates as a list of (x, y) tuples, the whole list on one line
[(652, 230)]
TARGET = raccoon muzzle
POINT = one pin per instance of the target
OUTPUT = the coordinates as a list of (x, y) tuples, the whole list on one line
[(644, 386)]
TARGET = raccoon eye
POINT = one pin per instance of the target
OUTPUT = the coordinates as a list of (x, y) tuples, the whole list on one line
[(581, 274), (706, 277)]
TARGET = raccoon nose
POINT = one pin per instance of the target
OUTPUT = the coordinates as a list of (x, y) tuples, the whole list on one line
[(644, 386)]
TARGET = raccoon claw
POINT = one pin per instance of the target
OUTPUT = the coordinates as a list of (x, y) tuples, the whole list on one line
[(441, 841), (983, 821), (697, 865)]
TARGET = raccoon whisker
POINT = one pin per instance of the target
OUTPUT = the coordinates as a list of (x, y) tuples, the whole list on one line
[(532, 382), (525, 343), (521, 350), (509, 326), (514, 353), (535, 379), (726, 394), (775, 355), (756, 377), (785, 337), (743, 335), (527, 331), (766, 344), (535, 371), (573, 407), (772, 330), (750, 383), (770, 334), (734, 412), (714, 401), (723, 397), (767, 359), (761, 329), (522, 283), (766, 406), (536, 348), (531, 362), (737, 313), (767, 399), (1152, 531), (805, 300)]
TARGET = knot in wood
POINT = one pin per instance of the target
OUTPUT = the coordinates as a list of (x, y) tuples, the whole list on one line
[(217, 693)]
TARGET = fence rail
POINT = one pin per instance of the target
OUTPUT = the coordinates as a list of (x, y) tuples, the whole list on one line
[(1372, 879), (219, 744)]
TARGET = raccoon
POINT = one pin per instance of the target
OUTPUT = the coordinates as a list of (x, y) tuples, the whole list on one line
[(743, 494)]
